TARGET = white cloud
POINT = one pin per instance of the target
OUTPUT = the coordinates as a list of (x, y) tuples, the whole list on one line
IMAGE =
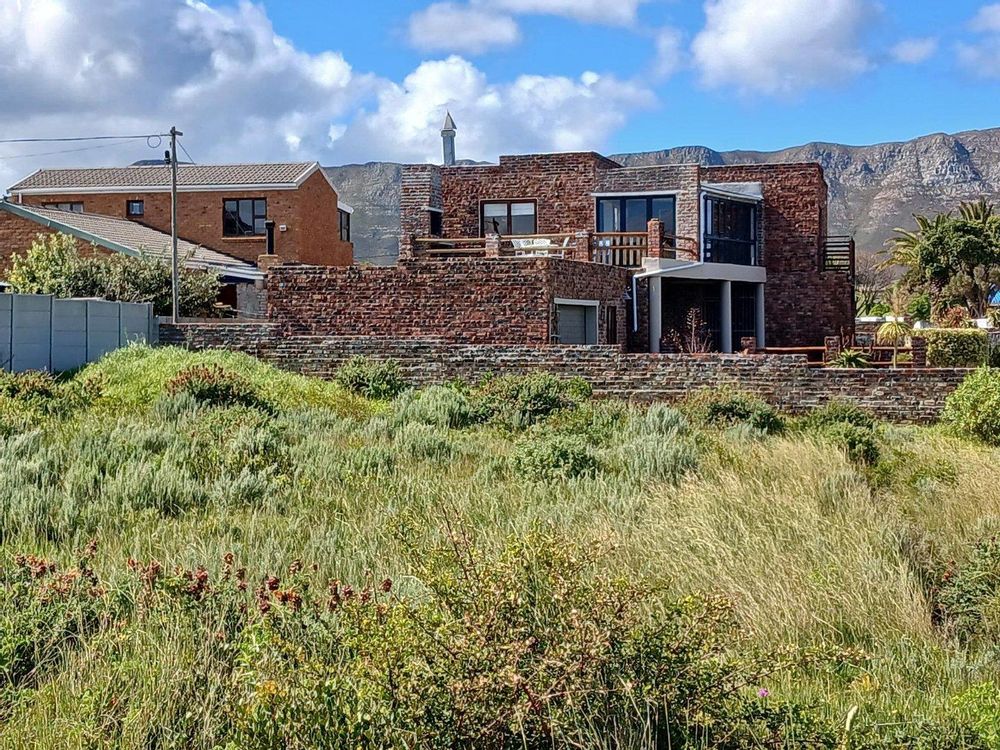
[(987, 19), (241, 92), (670, 54), (461, 28), (532, 113), (613, 13), (781, 47), (982, 57), (914, 51)]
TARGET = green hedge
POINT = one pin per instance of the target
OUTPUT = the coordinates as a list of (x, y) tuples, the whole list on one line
[(956, 347)]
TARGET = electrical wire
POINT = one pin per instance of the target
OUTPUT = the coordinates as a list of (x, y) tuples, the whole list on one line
[(84, 138), (189, 157), (61, 151)]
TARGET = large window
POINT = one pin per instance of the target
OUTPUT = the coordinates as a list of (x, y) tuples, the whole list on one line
[(345, 226), (632, 214), (75, 207), (730, 231), (244, 217), (508, 217)]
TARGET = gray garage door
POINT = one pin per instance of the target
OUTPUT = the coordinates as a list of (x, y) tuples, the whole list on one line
[(577, 324)]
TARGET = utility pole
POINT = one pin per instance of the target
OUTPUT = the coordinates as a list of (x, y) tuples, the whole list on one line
[(175, 280)]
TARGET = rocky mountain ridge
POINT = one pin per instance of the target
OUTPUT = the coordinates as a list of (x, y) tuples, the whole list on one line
[(872, 188)]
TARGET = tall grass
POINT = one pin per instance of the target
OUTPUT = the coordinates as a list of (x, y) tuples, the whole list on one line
[(813, 549)]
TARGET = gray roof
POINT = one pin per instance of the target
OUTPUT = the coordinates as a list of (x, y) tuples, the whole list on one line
[(449, 123), (158, 177), (132, 238)]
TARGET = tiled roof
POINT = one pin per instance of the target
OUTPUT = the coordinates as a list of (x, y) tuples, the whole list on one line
[(121, 235), (188, 175)]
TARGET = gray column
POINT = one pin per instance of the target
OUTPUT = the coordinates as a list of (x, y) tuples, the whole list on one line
[(655, 313), (726, 317), (759, 317)]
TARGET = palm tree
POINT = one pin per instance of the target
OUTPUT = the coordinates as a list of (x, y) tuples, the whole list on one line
[(895, 330)]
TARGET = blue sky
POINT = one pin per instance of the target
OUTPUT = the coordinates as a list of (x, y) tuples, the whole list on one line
[(344, 82), (891, 101)]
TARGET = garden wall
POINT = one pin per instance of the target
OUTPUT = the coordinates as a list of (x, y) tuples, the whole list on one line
[(905, 395)]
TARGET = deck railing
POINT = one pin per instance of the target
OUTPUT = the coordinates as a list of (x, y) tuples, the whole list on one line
[(625, 249)]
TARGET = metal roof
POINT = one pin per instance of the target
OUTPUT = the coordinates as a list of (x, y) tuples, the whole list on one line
[(132, 238), (189, 177)]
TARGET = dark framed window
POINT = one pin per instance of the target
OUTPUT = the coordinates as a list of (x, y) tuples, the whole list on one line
[(611, 322), (632, 213), (437, 223), (135, 208), (244, 217), (508, 217), (76, 206), (730, 231), (345, 226)]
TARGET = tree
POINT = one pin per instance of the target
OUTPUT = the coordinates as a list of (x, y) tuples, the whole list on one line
[(872, 281), (955, 258), (895, 330), (54, 265)]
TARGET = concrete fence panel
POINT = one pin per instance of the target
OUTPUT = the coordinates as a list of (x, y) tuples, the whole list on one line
[(31, 340), (6, 310), (39, 332)]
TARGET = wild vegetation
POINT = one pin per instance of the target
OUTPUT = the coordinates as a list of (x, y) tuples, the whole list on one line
[(199, 551), (54, 264)]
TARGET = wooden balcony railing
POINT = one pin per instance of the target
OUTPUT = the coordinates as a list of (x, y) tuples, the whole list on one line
[(838, 254), (624, 249)]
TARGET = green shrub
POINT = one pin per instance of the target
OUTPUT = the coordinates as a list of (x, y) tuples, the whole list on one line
[(370, 378), (553, 457), (519, 401), (725, 407), (424, 442), (27, 386), (970, 593), (981, 705), (973, 410), (214, 386), (850, 359), (956, 347), (654, 457), (861, 444), (439, 406), (838, 412)]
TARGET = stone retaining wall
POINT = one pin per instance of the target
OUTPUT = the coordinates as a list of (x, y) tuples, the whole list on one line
[(904, 395)]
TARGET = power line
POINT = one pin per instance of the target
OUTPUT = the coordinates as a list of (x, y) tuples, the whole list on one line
[(190, 158), (84, 138), (61, 151)]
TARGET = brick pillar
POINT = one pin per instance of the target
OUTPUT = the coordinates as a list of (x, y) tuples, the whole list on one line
[(832, 344), (266, 262), (654, 238), (580, 249), (749, 344), (407, 246), (493, 246), (919, 345)]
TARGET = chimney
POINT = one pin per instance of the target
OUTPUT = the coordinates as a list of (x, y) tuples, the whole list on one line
[(448, 136)]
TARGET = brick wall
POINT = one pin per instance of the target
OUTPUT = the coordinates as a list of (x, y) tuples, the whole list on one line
[(473, 300), (310, 213), (906, 395)]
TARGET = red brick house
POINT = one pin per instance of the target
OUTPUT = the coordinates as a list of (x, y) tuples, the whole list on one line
[(744, 246), (225, 208)]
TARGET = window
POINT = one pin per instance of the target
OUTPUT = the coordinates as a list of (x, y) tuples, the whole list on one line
[(135, 208), (244, 217), (611, 313), (437, 223), (632, 214), (76, 208), (508, 217), (345, 226), (730, 231)]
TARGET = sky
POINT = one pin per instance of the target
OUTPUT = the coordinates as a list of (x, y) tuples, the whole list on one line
[(345, 82)]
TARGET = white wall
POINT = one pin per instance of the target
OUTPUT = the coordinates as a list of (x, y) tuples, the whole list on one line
[(40, 332)]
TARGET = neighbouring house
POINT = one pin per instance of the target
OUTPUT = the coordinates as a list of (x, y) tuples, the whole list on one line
[(226, 208), (574, 248), (241, 282)]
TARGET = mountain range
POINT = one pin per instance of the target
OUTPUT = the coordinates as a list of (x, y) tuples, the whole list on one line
[(873, 189)]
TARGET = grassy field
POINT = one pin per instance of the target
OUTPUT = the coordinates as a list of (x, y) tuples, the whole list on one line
[(246, 558)]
